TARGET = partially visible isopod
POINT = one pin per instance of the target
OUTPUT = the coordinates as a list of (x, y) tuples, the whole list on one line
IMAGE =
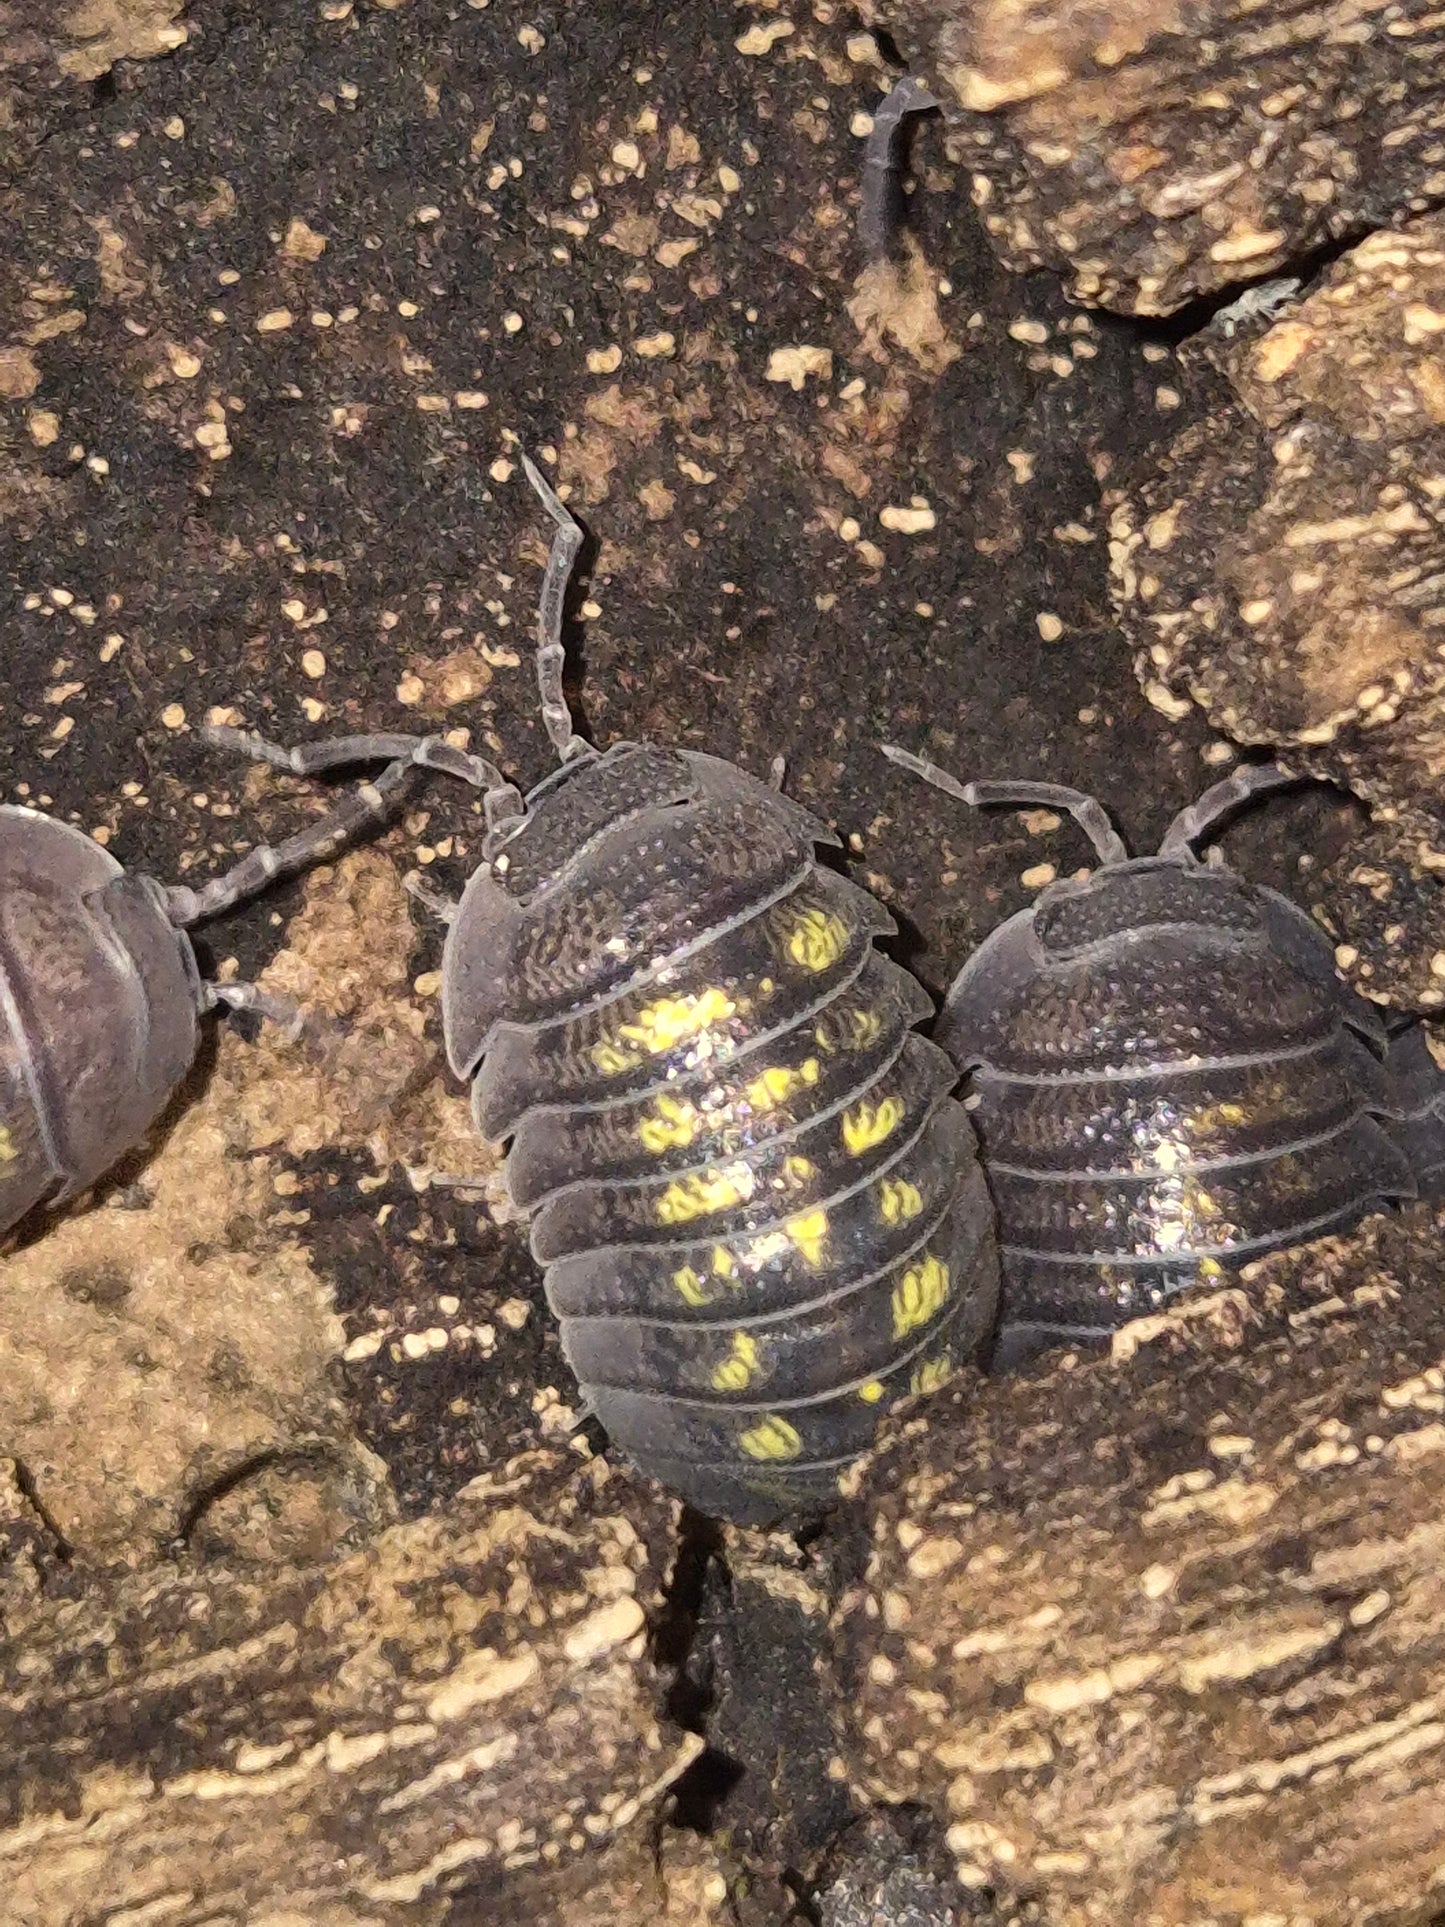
[(1419, 1129), (1168, 1076), (101, 997)]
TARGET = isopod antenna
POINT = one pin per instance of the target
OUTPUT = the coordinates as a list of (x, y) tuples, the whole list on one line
[(1086, 811), (551, 654)]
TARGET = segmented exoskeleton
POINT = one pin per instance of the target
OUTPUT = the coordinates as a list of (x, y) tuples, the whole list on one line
[(760, 1210), (100, 994), (1168, 1077)]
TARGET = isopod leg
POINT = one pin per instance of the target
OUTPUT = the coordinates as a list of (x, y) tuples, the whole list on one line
[(551, 656), (1210, 810), (442, 907), (276, 1010), (880, 211), (367, 804), (1086, 811)]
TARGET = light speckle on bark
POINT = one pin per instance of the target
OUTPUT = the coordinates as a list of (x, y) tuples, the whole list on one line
[(1284, 567)]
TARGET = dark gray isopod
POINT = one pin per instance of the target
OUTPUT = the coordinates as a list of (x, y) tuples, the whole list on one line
[(759, 1208), (100, 995), (1168, 1077)]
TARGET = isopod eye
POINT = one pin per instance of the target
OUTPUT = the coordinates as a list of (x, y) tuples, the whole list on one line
[(134, 907)]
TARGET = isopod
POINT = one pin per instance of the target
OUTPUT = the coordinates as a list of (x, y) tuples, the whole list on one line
[(1167, 1075), (759, 1207)]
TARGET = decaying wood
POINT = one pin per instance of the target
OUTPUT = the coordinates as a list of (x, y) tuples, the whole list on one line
[(1283, 564), (1154, 152), (467, 1700), (1156, 1638), (1162, 1638)]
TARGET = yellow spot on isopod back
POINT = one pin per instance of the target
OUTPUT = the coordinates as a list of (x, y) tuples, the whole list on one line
[(8, 1152), (798, 1171), (776, 1084), (866, 1125), (807, 1233), (697, 1194), (673, 1125), (690, 1288), (932, 1373), (898, 1201), (849, 1029), (817, 939), (723, 1262), (771, 1438), (611, 1059), (918, 1295), (735, 1372), (871, 1392), (671, 1021)]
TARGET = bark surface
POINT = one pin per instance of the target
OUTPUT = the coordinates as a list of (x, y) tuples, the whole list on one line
[(468, 1701), (1155, 152), (1162, 1636), (1283, 565)]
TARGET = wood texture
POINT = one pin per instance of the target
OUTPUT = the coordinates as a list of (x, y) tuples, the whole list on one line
[(1162, 1638), (468, 1701), (1282, 563), (1155, 151)]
